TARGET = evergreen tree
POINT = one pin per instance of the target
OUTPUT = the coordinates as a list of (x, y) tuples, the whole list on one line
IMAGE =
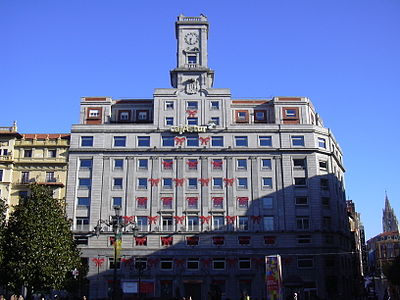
[(40, 250)]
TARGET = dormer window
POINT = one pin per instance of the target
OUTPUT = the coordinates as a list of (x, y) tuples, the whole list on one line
[(124, 115), (93, 113)]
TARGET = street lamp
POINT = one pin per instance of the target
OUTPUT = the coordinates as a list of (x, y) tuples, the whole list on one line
[(117, 223)]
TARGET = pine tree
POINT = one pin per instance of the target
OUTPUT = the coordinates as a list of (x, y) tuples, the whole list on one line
[(40, 251)]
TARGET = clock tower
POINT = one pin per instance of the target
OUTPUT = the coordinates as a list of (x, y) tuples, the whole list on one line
[(192, 73)]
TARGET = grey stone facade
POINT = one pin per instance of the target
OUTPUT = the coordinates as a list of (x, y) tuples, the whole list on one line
[(214, 185)]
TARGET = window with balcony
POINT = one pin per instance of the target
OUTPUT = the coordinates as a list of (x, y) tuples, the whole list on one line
[(142, 223), (193, 223), (167, 224), (218, 222), (82, 224), (50, 177)]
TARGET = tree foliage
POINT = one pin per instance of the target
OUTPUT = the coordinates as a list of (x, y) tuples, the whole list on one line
[(3, 211), (40, 250), (392, 271)]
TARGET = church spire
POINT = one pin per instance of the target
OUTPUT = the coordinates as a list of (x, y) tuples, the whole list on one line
[(389, 220)]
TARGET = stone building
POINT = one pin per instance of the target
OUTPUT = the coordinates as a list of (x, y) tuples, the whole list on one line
[(32, 158), (209, 185)]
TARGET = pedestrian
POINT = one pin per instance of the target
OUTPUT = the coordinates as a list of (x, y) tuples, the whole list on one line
[(20, 297)]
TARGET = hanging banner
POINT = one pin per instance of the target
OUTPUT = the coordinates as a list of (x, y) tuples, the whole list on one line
[(273, 277)]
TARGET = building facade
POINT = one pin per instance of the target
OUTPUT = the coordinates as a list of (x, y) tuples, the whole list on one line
[(32, 158), (210, 185)]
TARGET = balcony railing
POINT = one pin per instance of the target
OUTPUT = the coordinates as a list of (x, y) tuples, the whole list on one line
[(8, 157)]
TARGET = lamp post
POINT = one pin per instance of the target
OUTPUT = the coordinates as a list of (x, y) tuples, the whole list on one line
[(118, 224), (140, 267)]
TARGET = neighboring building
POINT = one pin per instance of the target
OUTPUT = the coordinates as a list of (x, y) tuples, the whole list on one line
[(214, 184), (389, 219), (32, 158), (8, 137)]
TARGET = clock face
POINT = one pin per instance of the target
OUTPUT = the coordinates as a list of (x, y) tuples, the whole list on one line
[(191, 38)]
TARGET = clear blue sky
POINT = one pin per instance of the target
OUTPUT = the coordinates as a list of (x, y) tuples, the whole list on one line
[(344, 55)]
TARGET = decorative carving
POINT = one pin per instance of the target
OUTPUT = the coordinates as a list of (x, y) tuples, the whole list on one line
[(192, 86)]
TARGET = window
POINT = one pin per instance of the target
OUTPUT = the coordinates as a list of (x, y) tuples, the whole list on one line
[(267, 202), (192, 183), (243, 223), (169, 105), (266, 164), (93, 113), (193, 223), (218, 202), (304, 239), (241, 141), (192, 141), (82, 224), (192, 164), (299, 164), (219, 263), (217, 164), (143, 164), (324, 182), (192, 240), (87, 141), (124, 115), (142, 223), (243, 202), (111, 263), (265, 141), (166, 264), (1, 175), (260, 116), (215, 120), (321, 143), (242, 116), (50, 177), (217, 141), (167, 183), (168, 141), (117, 201), (83, 201), (119, 141), (117, 183), (300, 182), (27, 153), (244, 263), (167, 163), (218, 222), (267, 183), (241, 164), (192, 121), (192, 264), (166, 202), (118, 163), (305, 261), (268, 223), (326, 222), (297, 140), (244, 240), (214, 105), (52, 153), (302, 223), (141, 202), (85, 163), (290, 113), (217, 183), (323, 165), (142, 115), (191, 105), (192, 202), (192, 59), (242, 183), (169, 121), (325, 202), (140, 263), (301, 201), (142, 183), (84, 183), (269, 240), (24, 177), (143, 141), (167, 224), (140, 241)]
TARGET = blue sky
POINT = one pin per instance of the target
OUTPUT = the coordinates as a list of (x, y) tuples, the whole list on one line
[(342, 54)]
